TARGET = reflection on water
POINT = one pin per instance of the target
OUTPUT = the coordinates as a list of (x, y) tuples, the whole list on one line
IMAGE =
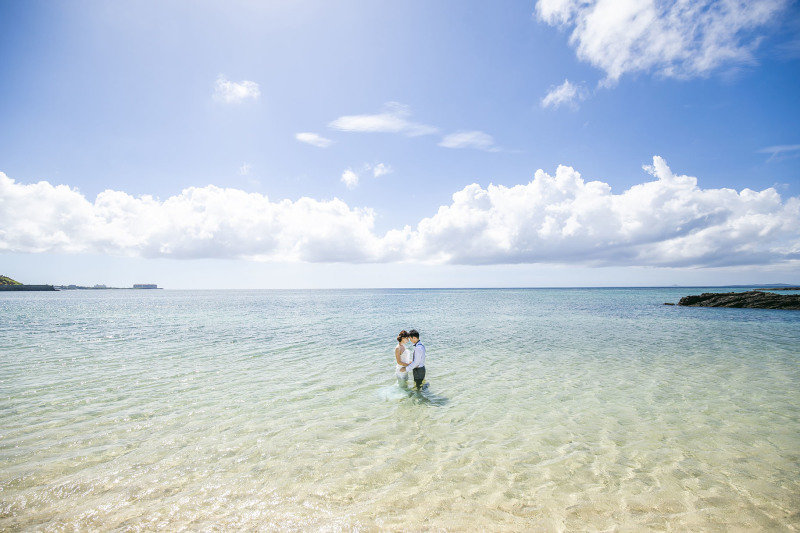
[(425, 397), (404, 390)]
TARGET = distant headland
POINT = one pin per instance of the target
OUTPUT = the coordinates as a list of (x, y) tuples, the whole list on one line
[(8, 284)]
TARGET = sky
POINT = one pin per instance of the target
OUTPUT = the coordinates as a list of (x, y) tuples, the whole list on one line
[(317, 144)]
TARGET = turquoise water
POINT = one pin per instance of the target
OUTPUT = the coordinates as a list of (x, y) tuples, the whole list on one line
[(547, 410)]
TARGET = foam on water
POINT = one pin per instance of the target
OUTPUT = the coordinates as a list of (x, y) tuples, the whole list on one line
[(278, 410), (394, 392)]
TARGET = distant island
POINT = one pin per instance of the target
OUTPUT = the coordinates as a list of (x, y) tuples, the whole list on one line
[(8, 284)]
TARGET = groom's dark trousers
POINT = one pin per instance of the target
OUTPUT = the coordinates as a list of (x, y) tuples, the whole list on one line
[(419, 375)]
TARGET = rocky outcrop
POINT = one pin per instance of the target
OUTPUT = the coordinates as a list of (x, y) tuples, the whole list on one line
[(750, 299)]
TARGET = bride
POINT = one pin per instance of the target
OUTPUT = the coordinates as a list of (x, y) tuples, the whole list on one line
[(403, 357)]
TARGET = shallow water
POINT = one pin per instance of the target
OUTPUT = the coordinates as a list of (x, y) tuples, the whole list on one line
[(546, 410)]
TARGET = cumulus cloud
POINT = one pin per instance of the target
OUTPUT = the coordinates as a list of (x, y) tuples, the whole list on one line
[(381, 170), (672, 38), (200, 222), (350, 178), (469, 139), (313, 139), (561, 218), (394, 119), (231, 92), (567, 94)]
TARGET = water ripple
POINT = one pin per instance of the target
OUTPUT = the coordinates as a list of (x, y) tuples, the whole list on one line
[(278, 410)]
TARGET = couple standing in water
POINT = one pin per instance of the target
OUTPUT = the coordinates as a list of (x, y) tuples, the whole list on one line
[(410, 359)]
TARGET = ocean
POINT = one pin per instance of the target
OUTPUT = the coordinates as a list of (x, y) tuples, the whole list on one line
[(545, 410)]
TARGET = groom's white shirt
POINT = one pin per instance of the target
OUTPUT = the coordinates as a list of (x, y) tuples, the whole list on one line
[(419, 357)]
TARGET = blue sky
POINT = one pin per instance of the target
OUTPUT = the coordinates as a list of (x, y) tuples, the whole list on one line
[(400, 144)]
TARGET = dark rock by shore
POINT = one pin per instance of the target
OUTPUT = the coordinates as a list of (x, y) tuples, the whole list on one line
[(750, 299)]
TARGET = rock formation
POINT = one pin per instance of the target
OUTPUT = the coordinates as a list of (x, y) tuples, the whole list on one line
[(750, 299)]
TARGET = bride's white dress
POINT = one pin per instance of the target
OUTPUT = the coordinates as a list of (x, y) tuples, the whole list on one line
[(399, 370)]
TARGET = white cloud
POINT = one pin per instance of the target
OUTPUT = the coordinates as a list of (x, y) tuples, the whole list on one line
[(393, 120), (562, 218), (231, 92), (244, 170), (567, 94), (668, 221), (781, 151), (381, 170), (313, 139), (205, 222), (676, 38), (350, 179), (469, 139)]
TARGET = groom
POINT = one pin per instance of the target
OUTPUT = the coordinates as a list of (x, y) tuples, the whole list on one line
[(418, 363)]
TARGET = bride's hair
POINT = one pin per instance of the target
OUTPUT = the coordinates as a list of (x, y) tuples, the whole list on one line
[(403, 335)]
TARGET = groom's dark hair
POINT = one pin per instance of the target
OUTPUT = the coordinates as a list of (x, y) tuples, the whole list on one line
[(413, 333)]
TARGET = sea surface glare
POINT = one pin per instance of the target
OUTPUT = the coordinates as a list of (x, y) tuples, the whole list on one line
[(546, 410)]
